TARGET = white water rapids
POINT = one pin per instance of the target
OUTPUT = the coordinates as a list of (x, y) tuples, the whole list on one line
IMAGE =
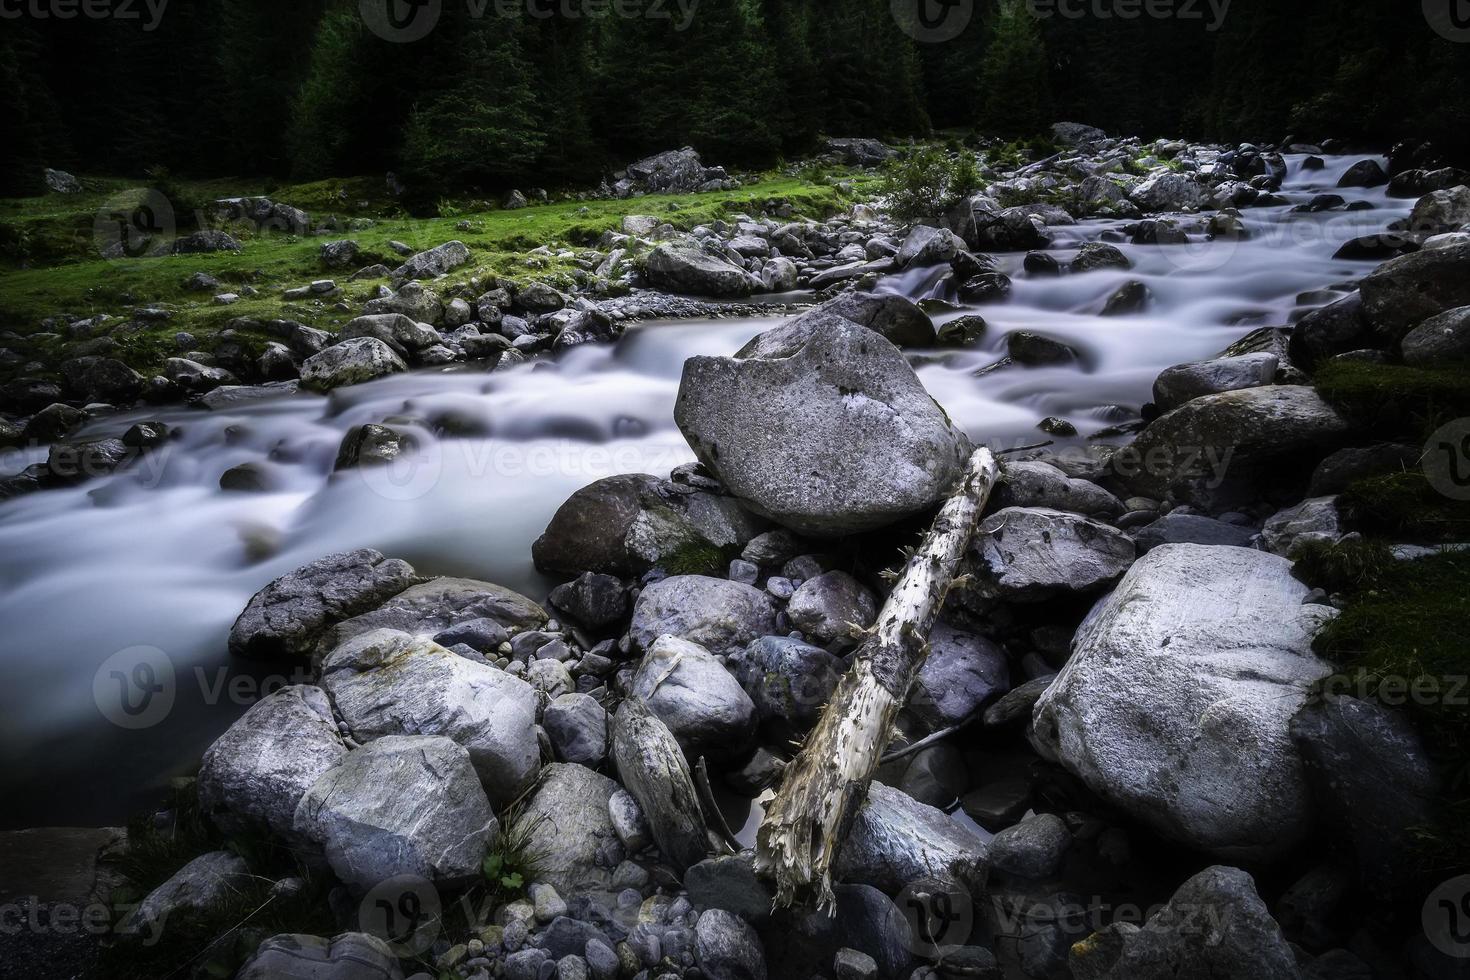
[(158, 556)]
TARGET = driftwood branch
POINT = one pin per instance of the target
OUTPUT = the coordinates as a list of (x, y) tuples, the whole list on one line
[(827, 783)]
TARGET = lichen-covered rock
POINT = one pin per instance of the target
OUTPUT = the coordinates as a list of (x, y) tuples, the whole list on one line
[(685, 267), (431, 607), (1028, 554), (348, 363), (896, 840), (569, 826)]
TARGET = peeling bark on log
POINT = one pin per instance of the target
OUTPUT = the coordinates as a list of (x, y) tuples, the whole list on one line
[(827, 783), (653, 769)]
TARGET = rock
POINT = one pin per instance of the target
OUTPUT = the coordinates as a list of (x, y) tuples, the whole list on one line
[(1213, 713), (101, 379), (726, 948), (1033, 483), (964, 331), (370, 445), (1442, 339), (1364, 173), (348, 363), (672, 172), (253, 477), (729, 883), (860, 152), (1168, 191), (832, 608), (577, 726), (594, 601), (1312, 521), (780, 275), (719, 615), (1130, 298), (201, 242), (1100, 255), (255, 774), (1441, 211), (61, 182), (387, 683), (1222, 450), (821, 426), (1215, 925), (339, 254), (896, 840), (628, 821), (1192, 529), (684, 267), (433, 263), (691, 692), (350, 956), (1329, 331), (1028, 554), (49, 424), (926, 246), (399, 332), (284, 620), (569, 825), (1076, 134), (850, 964), (1404, 292), (431, 607), (1032, 849), (788, 681), (897, 319), (1186, 382), (1034, 350), (988, 287), (1374, 783), (199, 887), (963, 673), (626, 525)]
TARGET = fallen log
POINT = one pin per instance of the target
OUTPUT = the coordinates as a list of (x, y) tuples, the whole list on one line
[(827, 783)]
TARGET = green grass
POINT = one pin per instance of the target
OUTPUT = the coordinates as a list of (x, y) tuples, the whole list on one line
[(1406, 507), (58, 270), (1393, 401)]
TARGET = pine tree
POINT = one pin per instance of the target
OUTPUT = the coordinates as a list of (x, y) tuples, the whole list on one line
[(1015, 86)]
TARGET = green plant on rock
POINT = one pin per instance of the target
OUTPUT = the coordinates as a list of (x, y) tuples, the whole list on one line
[(922, 186)]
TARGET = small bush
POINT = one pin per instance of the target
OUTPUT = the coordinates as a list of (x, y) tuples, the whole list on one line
[(924, 185)]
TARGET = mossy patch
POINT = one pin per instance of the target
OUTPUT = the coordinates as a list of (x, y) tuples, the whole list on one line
[(1394, 401), (1406, 507)]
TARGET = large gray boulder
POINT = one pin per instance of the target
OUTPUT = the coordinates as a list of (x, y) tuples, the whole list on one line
[(1404, 292), (1185, 382), (789, 681), (1442, 339), (1215, 925), (719, 615), (1034, 483), (285, 619), (351, 362), (569, 826), (1233, 448), (1029, 554), (822, 426), (400, 332), (255, 774), (962, 674), (389, 683), (897, 318), (1176, 702), (691, 692), (433, 263), (896, 840), (625, 525), (1168, 191), (1441, 211), (402, 805), (1329, 331), (685, 267), (350, 956), (199, 887), (431, 607)]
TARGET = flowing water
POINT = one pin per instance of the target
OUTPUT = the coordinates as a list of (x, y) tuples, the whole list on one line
[(116, 596)]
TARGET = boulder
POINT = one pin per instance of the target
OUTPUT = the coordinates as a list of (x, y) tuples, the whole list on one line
[(61, 182), (898, 319), (593, 601), (962, 674), (684, 267), (860, 152), (1441, 211), (339, 254), (431, 607), (670, 172), (926, 246), (1036, 350), (780, 275), (1233, 448), (402, 805), (726, 948), (822, 426), (1442, 339), (387, 683), (348, 363), (568, 824), (626, 525), (1033, 483), (789, 682), (719, 615), (398, 331), (199, 887), (433, 263), (350, 956), (1192, 529), (1364, 173), (1176, 702), (832, 608), (896, 840), (1312, 521), (101, 379), (1100, 255), (691, 692), (1169, 191), (284, 620), (1329, 331), (1186, 382), (1404, 292), (1031, 849), (202, 242), (254, 775), (1028, 554), (577, 727), (1215, 925), (1076, 134)]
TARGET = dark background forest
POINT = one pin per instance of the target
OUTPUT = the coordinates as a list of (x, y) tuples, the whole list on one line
[(299, 89)]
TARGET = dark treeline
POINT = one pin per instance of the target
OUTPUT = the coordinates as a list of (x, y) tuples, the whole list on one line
[(302, 89)]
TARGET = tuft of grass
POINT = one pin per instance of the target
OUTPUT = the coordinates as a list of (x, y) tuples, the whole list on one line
[(696, 557), (1405, 506), (1394, 401)]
